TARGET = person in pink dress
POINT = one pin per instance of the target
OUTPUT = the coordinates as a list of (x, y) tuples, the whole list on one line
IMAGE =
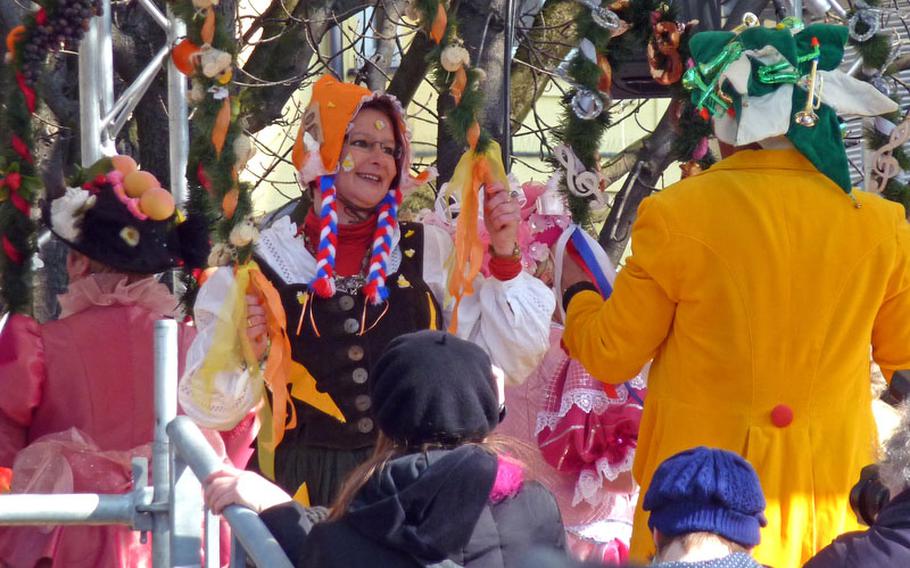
[(77, 399)]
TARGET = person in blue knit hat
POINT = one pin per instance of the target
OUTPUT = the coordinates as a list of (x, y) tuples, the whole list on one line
[(706, 510)]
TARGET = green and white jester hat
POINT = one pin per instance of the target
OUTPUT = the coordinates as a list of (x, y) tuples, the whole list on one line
[(755, 84)]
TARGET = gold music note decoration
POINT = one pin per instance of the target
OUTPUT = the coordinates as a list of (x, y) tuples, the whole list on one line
[(884, 164)]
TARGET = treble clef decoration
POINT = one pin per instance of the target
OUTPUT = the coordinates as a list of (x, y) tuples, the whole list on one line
[(580, 182), (884, 164)]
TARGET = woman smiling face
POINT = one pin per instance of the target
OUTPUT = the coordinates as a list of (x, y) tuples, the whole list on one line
[(368, 162)]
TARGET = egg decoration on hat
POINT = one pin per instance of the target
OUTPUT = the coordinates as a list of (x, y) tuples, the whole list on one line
[(157, 203), (124, 164), (138, 182)]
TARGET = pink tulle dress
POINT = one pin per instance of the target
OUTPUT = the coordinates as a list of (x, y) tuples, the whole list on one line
[(586, 436), (77, 404)]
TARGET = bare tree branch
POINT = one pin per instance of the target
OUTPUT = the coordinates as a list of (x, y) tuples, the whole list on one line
[(901, 64), (412, 69), (285, 61), (554, 23), (385, 26)]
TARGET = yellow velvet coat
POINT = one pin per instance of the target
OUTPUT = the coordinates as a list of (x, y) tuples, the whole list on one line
[(754, 285)]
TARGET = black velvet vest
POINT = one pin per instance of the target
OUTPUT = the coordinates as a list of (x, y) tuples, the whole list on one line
[(338, 340)]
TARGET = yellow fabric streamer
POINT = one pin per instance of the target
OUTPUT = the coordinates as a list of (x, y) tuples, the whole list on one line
[(302, 495), (303, 387), (231, 348), (473, 171), (265, 446)]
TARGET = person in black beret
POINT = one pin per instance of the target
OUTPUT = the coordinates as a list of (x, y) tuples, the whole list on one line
[(706, 510), (438, 490)]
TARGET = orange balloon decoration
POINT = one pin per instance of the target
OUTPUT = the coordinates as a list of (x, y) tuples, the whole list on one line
[(208, 28), (184, 57), (438, 28), (458, 84), (222, 122)]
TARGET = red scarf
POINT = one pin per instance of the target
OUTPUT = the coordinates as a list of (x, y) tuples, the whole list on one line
[(353, 242)]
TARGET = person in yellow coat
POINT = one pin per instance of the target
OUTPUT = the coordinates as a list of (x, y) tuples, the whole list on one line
[(757, 287)]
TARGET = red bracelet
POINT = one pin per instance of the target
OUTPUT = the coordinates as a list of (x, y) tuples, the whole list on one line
[(505, 267)]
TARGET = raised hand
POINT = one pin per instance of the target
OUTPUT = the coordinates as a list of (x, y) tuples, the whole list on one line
[(256, 329), (501, 214)]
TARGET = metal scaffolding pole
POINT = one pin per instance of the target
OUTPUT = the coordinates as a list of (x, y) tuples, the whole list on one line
[(165, 411), (101, 117)]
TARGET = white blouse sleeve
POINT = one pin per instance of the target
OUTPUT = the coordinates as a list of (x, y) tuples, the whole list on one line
[(510, 320), (234, 393)]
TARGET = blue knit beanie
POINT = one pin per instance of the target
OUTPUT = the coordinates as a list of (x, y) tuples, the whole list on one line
[(707, 490)]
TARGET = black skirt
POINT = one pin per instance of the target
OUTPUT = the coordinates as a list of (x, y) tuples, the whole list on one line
[(322, 469)]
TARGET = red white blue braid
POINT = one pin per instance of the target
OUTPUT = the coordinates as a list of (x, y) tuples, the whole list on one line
[(324, 281), (386, 223)]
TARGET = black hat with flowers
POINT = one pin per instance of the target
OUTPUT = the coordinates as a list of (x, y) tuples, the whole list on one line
[(127, 222)]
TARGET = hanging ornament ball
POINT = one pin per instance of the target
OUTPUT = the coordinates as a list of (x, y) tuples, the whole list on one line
[(242, 234), (214, 62), (864, 24), (124, 164), (183, 55), (243, 151), (882, 85), (607, 19), (453, 57), (157, 203), (587, 105), (137, 183)]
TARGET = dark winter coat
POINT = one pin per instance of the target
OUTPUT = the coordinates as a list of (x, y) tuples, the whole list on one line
[(463, 505), (885, 544)]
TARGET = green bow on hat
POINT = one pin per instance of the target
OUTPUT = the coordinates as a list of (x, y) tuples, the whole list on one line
[(755, 84)]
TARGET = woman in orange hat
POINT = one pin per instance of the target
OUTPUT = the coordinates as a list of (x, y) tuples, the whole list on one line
[(352, 278)]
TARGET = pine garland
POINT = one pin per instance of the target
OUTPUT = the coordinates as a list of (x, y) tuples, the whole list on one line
[(215, 192), (876, 52), (584, 136), (46, 30), (461, 122)]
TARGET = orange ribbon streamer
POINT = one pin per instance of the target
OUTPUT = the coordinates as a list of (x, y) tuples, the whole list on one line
[(278, 364), (222, 122), (208, 27), (12, 38), (438, 28), (458, 84)]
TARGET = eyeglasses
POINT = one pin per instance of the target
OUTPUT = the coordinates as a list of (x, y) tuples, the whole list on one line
[(365, 146)]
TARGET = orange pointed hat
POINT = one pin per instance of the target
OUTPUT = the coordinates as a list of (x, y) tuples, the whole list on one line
[(334, 104)]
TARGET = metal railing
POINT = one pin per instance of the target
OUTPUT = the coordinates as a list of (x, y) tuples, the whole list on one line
[(172, 507)]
